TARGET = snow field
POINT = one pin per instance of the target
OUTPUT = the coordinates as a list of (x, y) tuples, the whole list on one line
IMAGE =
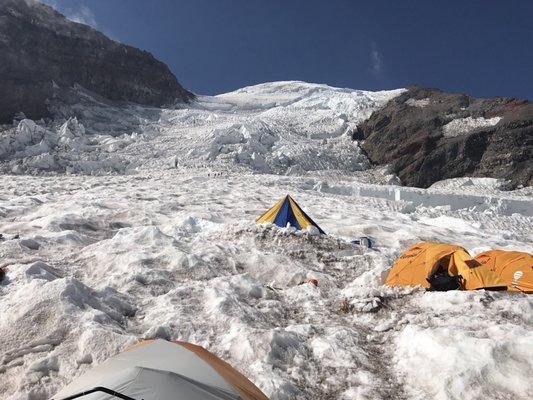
[(170, 249), (464, 126), (109, 263)]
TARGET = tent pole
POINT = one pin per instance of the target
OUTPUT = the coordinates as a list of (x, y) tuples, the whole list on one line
[(98, 389)]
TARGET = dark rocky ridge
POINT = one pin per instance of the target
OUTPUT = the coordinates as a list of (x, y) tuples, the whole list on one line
[(408, 134), (42, 51)]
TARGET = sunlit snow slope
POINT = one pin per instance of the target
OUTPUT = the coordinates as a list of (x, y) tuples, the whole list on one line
[(286, 127), (160, 242)]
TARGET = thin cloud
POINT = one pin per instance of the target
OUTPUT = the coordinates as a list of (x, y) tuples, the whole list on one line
[(81, 14), (377, 61)]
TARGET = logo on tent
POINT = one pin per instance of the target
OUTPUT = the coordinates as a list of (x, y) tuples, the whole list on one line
[(517, 275)]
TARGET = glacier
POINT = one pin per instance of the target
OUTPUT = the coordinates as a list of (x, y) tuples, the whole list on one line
[(129, 222)]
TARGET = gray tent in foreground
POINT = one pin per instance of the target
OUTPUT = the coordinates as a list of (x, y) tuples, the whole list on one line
[(162, 370)]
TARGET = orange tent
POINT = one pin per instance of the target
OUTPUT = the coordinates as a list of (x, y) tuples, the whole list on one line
[(514, 267), (420, 261)]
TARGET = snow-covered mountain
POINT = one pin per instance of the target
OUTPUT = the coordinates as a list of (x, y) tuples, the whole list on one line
[(283, 127), (167, 247), (121, 221)]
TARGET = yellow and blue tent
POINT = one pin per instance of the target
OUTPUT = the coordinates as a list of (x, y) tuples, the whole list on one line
[(287, 211)]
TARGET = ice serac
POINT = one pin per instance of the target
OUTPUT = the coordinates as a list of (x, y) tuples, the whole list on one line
[(428, 135), (43, 52)]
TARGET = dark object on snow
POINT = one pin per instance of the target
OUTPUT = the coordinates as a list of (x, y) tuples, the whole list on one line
[(363, 241), (2, 274), (409, 134), (17, 236), (442, 282), (44, 54), (357, 134), (30, 244)]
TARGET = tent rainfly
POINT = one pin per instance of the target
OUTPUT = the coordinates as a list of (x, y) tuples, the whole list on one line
[(515, 268), (162, 370)]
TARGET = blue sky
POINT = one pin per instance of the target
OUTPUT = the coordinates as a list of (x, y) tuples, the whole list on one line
[(484, 47)]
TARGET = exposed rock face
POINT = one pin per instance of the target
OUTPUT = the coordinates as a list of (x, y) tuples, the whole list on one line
[(427, 135), (42, 52)]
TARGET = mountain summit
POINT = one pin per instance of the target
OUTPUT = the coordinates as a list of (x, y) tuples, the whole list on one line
[(44, 53)]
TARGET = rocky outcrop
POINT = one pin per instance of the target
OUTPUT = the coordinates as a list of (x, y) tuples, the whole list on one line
[(43, 53), (427, 135)]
